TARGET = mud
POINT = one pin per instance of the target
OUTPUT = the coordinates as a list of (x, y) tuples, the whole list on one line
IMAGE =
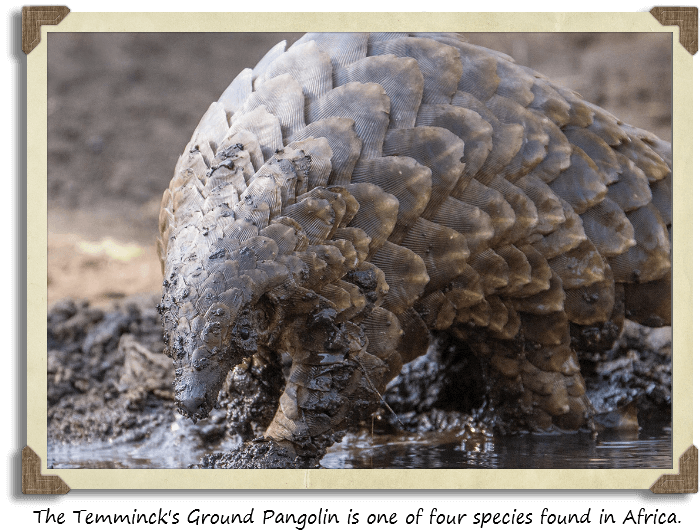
[(108, 380), (110, 384)]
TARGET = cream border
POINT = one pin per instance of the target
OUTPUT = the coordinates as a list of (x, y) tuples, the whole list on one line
[(328, 479)]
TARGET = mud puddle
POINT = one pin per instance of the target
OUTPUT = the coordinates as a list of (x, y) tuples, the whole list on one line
[(649, 449)]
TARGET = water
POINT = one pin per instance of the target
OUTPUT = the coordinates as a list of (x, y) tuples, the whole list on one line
[(530, 451), (647, 449)]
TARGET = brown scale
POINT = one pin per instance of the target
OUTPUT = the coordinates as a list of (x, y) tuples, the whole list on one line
[(440, 64), (506, 139), (403, 178), (435, 148), (475, 132), (515, 84), (367, 104), (399, 76), (542, 249)]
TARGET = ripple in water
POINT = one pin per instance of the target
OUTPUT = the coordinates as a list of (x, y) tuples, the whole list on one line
[(650, 449), (529, 451)]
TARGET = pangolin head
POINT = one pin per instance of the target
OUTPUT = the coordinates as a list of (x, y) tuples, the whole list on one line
[(207, 338)]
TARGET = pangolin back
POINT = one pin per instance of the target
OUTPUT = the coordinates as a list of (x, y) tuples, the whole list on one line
[(406, 183)]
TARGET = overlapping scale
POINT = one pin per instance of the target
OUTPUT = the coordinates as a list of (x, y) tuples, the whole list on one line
[(274, 52), (519, 270), (465, 290), (479, 69), (368, 106), (244, 141), (580, 114), (544, 302), (343, 141), (535, 140), (337, 202), (433, 147), (608, 228), (491, 202), (566, 237), (307, 65), (507, 138), (515, 83), (581, 266), (467, 125), (400, 77), (549, 102), (540, 272), (316, 216), (377, 214), (282, 97), (237, 92), (211, 128), (592, 145), (558, 156), (526, 215), (492, 270), (319, 153), (632, 189), (343, 48), (405, 274), (264, 125), (436, 310), (550, 213), (409, 182), (469, 220), (444, 251), (580, 185), (439, 63), (607, 126), (650, 258)]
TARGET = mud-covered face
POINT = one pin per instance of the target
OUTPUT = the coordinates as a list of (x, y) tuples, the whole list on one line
[(205, 348)]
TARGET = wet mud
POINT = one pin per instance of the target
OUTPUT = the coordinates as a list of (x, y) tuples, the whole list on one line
[(110, 385)]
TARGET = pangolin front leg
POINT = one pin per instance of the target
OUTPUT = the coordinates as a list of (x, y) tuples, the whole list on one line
[(351, 194)]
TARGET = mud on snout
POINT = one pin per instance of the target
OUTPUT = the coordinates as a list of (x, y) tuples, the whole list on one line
[(204, 355), (196, 391)]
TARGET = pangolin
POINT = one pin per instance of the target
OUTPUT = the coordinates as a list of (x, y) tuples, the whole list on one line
[(349, 195)]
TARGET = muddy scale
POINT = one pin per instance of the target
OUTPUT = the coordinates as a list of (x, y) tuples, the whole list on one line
[(356, 193)]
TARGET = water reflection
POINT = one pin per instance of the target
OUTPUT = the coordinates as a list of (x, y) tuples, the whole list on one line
[(561, 451), (651, 449)]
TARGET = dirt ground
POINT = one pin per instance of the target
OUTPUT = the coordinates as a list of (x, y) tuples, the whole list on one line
[(121, 108)]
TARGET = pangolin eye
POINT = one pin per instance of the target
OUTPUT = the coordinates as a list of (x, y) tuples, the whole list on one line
[(245, 334)]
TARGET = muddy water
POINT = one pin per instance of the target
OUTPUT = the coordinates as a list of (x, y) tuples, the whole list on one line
[(648, 449), (578, 451)]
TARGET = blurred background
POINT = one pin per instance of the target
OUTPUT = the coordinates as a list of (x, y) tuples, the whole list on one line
[(122, 106)]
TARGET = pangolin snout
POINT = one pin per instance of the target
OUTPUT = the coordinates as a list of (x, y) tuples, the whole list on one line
[(191, 395), (191, 403)]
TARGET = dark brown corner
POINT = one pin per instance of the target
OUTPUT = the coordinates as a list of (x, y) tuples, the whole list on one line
[(686, 18), (686, 481), (33, 483), (34, 16)]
